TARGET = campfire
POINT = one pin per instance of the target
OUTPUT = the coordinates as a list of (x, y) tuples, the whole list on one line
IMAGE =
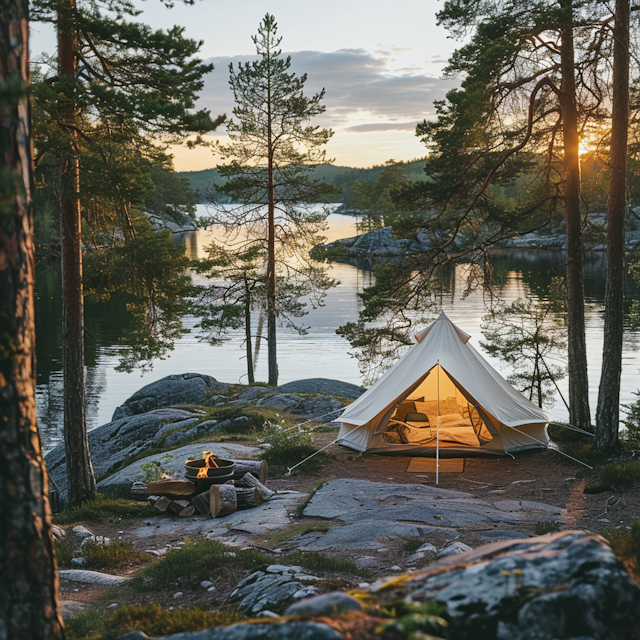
[(209, 462), (212, 486)]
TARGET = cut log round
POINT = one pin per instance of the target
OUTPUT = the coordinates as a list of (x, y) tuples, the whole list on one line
[(249, 480), (182, 508), (258, 468), (248, 498), (162, 503), (139, 491), (228, 499), (202, 502)]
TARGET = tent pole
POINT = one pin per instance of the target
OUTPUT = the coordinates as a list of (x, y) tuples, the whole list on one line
[(438, 431)]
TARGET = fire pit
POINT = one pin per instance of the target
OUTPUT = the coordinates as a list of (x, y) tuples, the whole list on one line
[(210, 467)]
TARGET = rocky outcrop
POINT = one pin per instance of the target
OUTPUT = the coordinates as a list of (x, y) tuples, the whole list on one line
[(373, 511), (324, 386), (179, 223), (114, 442), (378, 243), (184, 388), (561, 585)]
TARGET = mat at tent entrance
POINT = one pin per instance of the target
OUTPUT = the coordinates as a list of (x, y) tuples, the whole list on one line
[(428, 465)]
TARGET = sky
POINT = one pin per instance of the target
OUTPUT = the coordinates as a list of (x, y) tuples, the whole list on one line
[(380, 63)]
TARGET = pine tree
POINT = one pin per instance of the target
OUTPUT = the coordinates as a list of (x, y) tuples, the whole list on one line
[(29, 605), (116, 82), (272, 151)]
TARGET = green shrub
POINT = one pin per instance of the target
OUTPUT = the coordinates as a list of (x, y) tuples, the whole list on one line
[(194, 562), (150, 619), (411, 545), (287, 448), (626, 545), (104, 508), (632, 422), (613, 477), (155, 469), (64, 554), (547, 526), (112, 555)]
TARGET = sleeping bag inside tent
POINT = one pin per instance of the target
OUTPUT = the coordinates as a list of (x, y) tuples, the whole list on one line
[(442, 394)]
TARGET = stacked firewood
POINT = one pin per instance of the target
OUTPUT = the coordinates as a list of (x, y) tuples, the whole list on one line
[(245, 490)]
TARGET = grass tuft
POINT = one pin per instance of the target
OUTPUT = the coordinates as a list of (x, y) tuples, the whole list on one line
[(547, 526), (104, 508), (626, 545), (288, 448), (113, 555), (64, 554), (196, 561), (150, 619), (411, 545), (613, 477), (314, 561)]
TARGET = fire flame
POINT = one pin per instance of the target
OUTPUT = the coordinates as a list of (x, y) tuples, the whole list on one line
[(209, 463)]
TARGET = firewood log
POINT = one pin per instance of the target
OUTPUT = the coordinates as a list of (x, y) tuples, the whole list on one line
[(162, 503), (139, 491), (249, 480), (228, 499), (248, 498), (259, 469), (182, 508), (202, 502)]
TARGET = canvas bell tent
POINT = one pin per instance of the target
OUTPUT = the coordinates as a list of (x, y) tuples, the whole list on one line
[(442, 395)]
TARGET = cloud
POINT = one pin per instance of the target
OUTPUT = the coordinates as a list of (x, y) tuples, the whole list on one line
[(363, 92), (382, 126)]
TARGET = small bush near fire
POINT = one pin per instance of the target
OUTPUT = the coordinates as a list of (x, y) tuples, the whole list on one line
[(150, 619), (287, 448)]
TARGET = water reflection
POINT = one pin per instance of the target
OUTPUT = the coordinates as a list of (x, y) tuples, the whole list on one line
[(321, 353)]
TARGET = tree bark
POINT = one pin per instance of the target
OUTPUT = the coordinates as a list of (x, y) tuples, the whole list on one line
[(608, 411), (29, 606), (82, 484), (579, 413)]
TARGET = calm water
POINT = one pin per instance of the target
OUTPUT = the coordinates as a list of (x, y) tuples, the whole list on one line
[(320, 353)]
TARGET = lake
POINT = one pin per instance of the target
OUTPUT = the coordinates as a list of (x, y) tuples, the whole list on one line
[(320, 353)]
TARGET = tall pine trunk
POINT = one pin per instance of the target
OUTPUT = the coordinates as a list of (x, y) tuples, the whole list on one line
[(579, 413), (608, 411), (82, 484), (28, 578), (247, 329), (272, 312)]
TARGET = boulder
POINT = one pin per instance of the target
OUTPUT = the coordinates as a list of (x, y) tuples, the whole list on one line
[(321, 406), (114, 442), (324, 386), (92, 577), (184, 388), (282, 401), (132, 473), (327, 604), (253, 631), (260, 591), (253, 393), (454, 548), (172, 427), (379, 242), (560, 585)]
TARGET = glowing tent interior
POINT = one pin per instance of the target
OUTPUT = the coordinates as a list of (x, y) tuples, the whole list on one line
[(442, 395)]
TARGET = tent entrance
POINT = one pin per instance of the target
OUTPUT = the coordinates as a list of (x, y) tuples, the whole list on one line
[(414, 421)]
